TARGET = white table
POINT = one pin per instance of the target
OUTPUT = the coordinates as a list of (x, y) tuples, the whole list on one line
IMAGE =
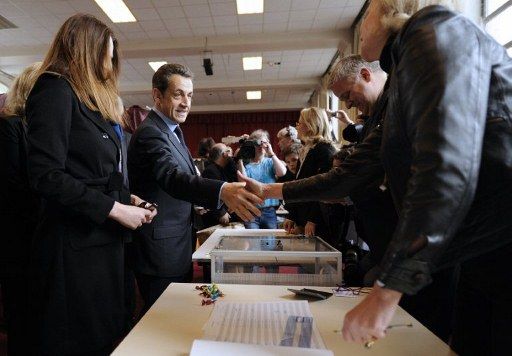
[(177, 318)]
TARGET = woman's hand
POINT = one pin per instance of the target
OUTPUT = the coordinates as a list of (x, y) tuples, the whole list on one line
[(268, 148), (136, 201), (343, 117), (129, 216), (289, 226), (310, 229)]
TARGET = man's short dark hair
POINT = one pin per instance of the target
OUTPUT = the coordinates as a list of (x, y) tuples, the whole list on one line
[(216, 152), (163, 74), (205, 145)]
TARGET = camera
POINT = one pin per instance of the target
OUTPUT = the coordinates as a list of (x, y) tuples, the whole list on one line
[(247, 149), (351, 257)]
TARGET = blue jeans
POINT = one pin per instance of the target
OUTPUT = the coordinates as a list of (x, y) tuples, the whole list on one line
[(267, 220)]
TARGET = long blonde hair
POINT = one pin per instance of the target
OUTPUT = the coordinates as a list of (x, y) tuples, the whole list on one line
[(79, 52), (397, 12), (19, 91), (317, 124)]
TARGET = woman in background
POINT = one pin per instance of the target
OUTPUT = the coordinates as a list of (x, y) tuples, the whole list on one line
[(18, 210), (315, 157), (291, 159), (76, 165)]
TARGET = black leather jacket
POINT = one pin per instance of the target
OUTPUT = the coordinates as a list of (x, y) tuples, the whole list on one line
[(446, 147)]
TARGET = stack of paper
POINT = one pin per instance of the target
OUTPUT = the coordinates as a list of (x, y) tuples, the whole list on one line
[(283, 323)]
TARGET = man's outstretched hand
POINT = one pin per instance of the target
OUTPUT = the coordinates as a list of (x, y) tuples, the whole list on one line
[(240, 201), (252, 185)]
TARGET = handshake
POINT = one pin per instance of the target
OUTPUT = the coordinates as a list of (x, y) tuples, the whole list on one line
[(243, 196)]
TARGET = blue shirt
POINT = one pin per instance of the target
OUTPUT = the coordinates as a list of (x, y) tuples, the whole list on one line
[(263, 172), (169, 122)]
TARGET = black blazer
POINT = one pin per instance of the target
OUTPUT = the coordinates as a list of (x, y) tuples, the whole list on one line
[(161, 170), (77, 256), (318, 160)]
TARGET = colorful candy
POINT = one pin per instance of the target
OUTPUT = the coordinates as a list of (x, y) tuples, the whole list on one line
[(210, 293)]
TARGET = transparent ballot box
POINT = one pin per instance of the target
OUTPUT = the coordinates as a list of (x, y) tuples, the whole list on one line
[(275, 259)]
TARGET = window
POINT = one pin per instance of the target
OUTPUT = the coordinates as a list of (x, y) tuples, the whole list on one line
[(333, 105), (498, 21), (3, 88)]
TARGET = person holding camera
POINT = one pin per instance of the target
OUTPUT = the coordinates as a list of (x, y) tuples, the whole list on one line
[(261, 164)]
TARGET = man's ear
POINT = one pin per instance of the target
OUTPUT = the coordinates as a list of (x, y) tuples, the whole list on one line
[(157, 96), (366, 74)]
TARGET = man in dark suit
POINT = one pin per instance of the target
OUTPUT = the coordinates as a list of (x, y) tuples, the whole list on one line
[(221, 157), (162, 170)]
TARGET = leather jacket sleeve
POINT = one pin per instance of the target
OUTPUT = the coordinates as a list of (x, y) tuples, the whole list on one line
[(353, 133), (441, 78), (359, 170)]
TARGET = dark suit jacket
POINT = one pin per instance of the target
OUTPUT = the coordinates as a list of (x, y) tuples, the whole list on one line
[(77, 255), (161, 170), (214, 171), (318, 160)]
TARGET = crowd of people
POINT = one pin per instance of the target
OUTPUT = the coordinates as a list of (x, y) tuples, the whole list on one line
[(88, 208)]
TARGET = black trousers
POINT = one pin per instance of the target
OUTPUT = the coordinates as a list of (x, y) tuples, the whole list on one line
[(483, 309), (151, 287)]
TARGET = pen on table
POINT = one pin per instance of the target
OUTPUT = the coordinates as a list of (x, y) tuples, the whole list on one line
[(369, 344)]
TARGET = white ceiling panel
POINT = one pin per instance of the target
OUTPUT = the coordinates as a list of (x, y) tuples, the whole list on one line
[(173, 12), (281, 5), (224, 9), (197, 10), (301, 35)]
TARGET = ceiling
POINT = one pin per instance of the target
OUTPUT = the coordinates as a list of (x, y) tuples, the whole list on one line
[(301, 35)]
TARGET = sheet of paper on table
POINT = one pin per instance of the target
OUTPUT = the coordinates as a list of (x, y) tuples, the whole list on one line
[(217, 348), (282, 323)]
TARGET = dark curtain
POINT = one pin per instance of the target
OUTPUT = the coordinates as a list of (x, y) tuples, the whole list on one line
[(133, 117), (218, 125)]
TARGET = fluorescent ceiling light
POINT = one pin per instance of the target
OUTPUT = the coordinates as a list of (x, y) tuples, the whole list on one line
[(249, 6), (254, 95), (116, 10), (156, 65), (3, 88), (252, 63)]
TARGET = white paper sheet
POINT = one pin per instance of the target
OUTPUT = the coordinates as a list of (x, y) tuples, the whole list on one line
[(288, 323), (216, 348)]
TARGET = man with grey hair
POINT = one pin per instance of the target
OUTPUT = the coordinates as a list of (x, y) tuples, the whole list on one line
[(359, 84)]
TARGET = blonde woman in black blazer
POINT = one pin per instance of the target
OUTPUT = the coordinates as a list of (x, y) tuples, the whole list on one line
[(315, 157), (75, 164)]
